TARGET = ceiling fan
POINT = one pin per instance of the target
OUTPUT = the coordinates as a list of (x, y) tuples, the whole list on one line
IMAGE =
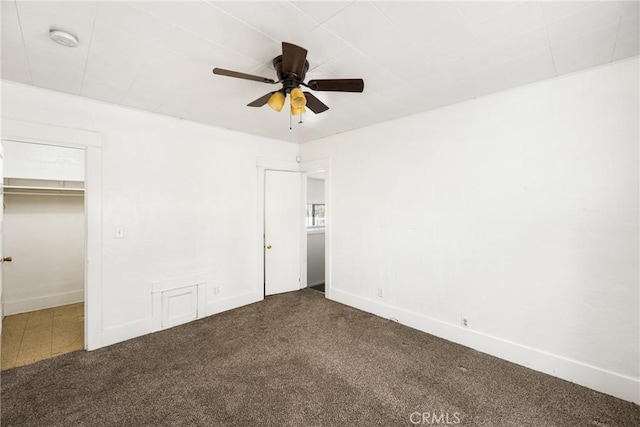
[(291, 68)]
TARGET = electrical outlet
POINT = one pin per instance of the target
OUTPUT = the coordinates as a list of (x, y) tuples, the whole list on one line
[(464, 322), (380, 294), (216, 290)]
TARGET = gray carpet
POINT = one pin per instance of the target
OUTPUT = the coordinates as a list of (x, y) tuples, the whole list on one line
[(296, 360)]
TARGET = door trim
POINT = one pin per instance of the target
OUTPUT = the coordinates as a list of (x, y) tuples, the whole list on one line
[(91, 143)]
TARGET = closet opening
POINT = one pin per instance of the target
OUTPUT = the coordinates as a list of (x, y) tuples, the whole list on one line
[(44, 234)]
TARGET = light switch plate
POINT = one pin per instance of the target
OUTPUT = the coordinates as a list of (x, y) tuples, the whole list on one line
[(119, 232)]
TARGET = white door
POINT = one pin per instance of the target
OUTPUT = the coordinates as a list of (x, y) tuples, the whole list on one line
[(283, 212)]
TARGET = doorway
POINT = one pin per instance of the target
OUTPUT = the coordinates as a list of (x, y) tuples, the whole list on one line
[(302, 169), (44, 236), (315, 229)]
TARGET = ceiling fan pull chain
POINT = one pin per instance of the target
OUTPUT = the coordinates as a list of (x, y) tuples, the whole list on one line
[(290, 123), (300, 122)]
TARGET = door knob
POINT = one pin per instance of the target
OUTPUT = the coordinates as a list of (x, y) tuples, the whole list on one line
[(7, 259), (268, 246)]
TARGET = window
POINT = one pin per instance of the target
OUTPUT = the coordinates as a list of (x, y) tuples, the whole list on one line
[(315, 215)]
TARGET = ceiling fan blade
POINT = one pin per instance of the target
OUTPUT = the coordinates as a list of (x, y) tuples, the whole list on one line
[(337, 85), (260, 101), (238, 75), (314, 104), (293, 59)]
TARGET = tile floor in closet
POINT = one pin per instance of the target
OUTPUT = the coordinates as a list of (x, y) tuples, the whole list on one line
[(37, 335)]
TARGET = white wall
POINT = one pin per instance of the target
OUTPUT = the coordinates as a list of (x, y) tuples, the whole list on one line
[(45, 237), (315, 257), (315, 238), (315, 191), (185, 193), (36, 161), (518, 211)]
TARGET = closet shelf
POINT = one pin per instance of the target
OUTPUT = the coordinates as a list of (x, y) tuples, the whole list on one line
[(42, 191)]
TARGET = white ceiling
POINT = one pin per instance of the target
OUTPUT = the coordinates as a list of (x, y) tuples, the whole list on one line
[(413, 56)]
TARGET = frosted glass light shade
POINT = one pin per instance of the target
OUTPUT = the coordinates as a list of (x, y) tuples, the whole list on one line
[(295, 111), (276, 101), (298, 99)]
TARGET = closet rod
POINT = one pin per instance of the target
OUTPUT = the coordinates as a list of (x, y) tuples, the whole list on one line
[(27, 187)]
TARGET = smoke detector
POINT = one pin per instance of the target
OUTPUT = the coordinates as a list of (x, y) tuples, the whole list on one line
[(63, 38)]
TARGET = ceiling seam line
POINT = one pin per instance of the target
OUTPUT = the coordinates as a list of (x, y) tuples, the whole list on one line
[(320, 23), (201, 37), (354, 48), (615, 42), (86, 62), (135, 79), (494, 63), (26, 56), (396, 27), (546, 31), (240, 20)]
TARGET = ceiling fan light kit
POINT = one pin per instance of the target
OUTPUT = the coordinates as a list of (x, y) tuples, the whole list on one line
[(291, 68)]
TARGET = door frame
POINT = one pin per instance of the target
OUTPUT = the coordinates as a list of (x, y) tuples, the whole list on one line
[(314, 166), (91, 143), (263, 165)]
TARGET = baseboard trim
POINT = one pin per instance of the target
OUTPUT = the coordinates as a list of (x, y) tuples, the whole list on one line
[(126, 331), (612, 383), (321, 282), (42, 302), (137, 328), (229, 303)]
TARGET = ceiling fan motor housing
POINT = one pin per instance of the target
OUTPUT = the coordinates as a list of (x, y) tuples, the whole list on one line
[(289, 80)]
